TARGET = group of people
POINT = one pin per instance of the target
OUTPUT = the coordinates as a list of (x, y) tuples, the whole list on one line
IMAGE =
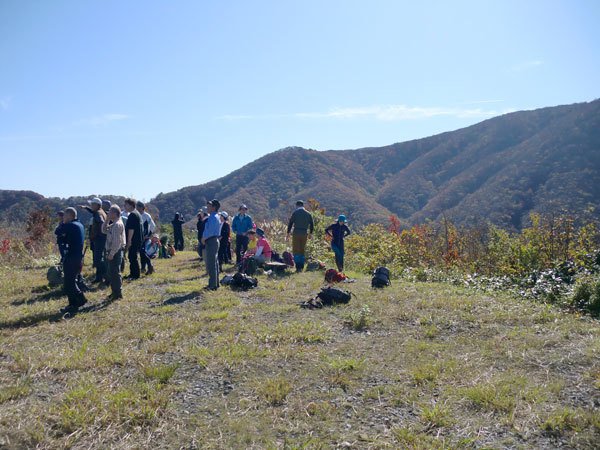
[(115, 236)]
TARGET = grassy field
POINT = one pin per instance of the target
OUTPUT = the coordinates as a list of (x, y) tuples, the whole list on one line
[(417, 365)]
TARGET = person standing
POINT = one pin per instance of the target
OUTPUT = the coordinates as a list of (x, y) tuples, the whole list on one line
[(338, 231), (133, 232), (62, 245), (224, 244), (71, 232), (97, 237), (148, 227), (202, 216), (177, 223), (115, 243), (302, 222), (210, 240), (242, 223)]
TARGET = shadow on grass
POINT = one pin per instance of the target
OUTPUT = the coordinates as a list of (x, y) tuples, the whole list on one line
[(51, 295), (33, 320), (180, 299)]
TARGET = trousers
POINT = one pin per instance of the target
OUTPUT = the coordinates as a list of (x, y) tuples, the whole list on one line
[(134, 265), (71, 269), (241, 245), (211, 249), (114, 273)]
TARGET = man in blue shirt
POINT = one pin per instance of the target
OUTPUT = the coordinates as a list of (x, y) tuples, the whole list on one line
[(242, 223), (71, 232), (210, 240)]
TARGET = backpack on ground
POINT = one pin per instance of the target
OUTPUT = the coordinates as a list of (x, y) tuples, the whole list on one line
[(249, 266), (226, 281), (333, 276), (172, 250), (275, 257), (314, 265), (381, 278), (55, 275), (288, 258), (243, 281), (331, 296)]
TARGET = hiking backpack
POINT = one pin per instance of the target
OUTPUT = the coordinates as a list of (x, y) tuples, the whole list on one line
[(288, 258), (55, 276), (243, 281), (315, 265), (333, 276), (331, 296), (249, 266), (275, 257), (381, 278)]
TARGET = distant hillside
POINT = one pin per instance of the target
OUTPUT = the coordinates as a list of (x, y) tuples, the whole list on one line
[(499, 170)]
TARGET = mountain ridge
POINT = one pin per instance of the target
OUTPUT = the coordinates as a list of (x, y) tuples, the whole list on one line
[(498, 170)]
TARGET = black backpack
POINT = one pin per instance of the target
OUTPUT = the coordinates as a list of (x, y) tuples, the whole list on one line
[(250, 265), (243, 281), (381, 278), (332, 296)]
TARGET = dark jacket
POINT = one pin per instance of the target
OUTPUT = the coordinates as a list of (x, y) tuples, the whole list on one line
[(177, 223), (72, 235), (225, 232), (134, 222), (302, 221), (99, 217), (338, 233)]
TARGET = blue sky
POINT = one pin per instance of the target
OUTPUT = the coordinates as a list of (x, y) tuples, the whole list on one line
[(141, 97)]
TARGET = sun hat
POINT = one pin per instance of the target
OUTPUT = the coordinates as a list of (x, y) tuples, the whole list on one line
[(242, 206), (299, 203), (341, 218), (95, 201), (224, 214), (260, 232)]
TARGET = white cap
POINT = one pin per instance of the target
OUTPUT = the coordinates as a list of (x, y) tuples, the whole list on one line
[(95, 200), (224, 214)]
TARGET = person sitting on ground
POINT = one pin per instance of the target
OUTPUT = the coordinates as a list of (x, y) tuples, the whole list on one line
[(164, 250), (115, 244), (263, 248), (338, 231), (225, 243), (177, 223), (96, 236), (72, 234), (303, 224), (242, 223), (133, 234), (252, 241), (148, 226)]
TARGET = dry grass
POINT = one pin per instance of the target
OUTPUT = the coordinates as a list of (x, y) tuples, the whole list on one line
[(426, 366)]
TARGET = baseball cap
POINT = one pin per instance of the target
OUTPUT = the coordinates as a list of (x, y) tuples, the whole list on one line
[(96, 201), (214, 203), (242, 206), (224, 214)]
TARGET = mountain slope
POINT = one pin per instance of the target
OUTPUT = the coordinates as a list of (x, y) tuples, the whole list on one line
[(499, 170)]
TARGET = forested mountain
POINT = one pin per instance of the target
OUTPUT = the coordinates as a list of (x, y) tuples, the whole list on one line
[(499, 170)]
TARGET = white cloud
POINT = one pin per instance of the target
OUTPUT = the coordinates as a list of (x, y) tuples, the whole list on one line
[(380, 112), (5, 102), (100, 120), (526, 65)]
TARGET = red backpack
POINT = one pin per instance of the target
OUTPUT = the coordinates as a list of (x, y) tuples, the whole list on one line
[(333, 276)]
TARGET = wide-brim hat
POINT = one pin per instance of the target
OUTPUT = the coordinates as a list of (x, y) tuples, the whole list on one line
[(341, 218), (242, 206)]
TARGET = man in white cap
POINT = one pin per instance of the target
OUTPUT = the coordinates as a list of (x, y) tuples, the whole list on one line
[(96, 237)]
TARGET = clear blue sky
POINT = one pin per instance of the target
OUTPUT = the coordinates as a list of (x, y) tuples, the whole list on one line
[(138, 97)]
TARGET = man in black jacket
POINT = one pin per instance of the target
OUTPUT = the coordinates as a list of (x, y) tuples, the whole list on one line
[(133, 232), (178, 231)]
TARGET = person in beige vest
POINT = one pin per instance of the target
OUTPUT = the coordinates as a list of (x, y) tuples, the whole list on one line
[(115, 244)]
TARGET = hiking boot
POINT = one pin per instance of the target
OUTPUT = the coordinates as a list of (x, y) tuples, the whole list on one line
[(114, 296), (209, 288), (69, 310), (150, 271)]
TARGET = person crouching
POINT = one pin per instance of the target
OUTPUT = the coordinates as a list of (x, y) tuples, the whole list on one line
[(115, 244)]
